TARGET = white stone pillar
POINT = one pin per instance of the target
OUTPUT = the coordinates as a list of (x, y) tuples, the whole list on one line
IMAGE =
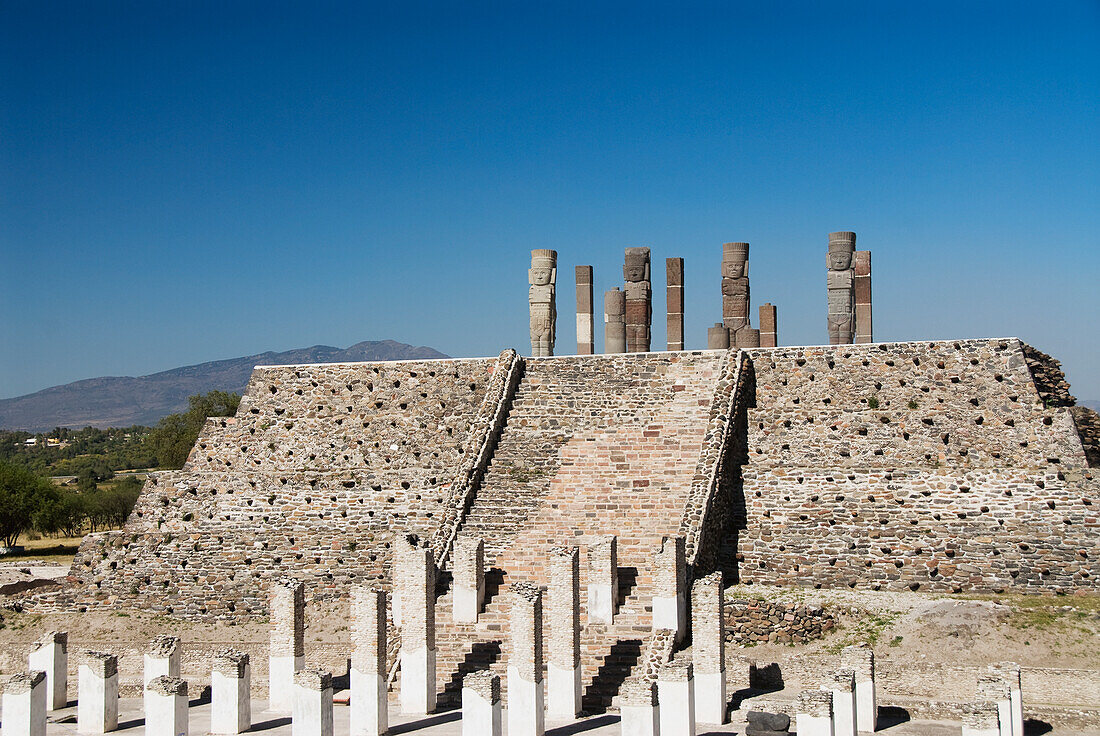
[(231, 693), (25, 704), (418, 632), (287, 649), (525, 707), (312, 711), (403, 544), (860, 658), (603, 580), (980, 719), (97, 693), (708, 649), (815, 713), (166, 706), (369, 703), (843, 686), (1010, 672), (468, 569), (994, 689), (50, 654), (162, 658), (670, 582), (638, 709), (676, 695), (481, 704), (564, 623)]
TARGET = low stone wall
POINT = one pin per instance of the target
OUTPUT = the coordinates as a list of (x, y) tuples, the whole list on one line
[(750, 622)]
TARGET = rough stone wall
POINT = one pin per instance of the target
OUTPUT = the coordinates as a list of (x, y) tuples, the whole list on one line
[(321, 467), (750, 622), (1088, 427)]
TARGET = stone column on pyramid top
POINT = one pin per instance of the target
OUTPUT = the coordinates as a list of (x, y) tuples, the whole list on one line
[(542, 277), (839, 283), (614, 321), (586, 337), (674, 300), (639, 294)]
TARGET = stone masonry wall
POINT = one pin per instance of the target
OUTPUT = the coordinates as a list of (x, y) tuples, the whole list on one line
[(750, 622)]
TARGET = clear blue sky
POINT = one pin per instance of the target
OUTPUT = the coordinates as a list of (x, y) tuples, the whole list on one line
[(188, 181)]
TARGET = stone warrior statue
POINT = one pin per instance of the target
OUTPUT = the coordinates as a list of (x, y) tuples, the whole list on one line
[(638, 299), (544, 314), (839, 282)]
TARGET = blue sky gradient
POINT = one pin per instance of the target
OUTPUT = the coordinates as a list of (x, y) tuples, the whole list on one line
[(188, 181)]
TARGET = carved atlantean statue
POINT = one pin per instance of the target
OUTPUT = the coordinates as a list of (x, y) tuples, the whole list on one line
[(839, 282), (638, 296), (542, 277)]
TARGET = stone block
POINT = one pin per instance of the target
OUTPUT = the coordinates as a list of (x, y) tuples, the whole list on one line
[(166, 706), (843, 686), (468, 570), (97, 693), (708, 649), (639, 712), (286, 654), (50, 654), (564, 623), (1010, 673), (718, 337), (526, 716), (312, 712), (369, 702), (230, 693), (670, 582), (418, 651), (481, 706), (815, 713), (162, 658), (981, 719), (860, 658), (676, 694), (603, 580), (24, 701)]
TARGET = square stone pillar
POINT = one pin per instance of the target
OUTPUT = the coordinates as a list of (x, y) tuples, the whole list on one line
[(638, 709), (287, 649), (861, 286), (981, 719), (718, 337), (50, 654), (230, 693), (843, 686), (162, 658), (708, 649), (418, 632), (525, 706), (481, 704), (97, 693), (564, 622), (670, 582), (674, 300), (312, 711), (166, 706), (769, 326), (815, 713), (676, 694), (468, 569), (369, 702), (25, 697), (586, 335), (1010, 673), (860, 658), (603, 580), (992, 688)]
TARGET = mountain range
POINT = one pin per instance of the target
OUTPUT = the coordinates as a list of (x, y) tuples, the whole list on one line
[(122, 401)]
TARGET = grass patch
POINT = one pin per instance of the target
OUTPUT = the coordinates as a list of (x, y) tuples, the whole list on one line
[(1044, 612), (868, 629)]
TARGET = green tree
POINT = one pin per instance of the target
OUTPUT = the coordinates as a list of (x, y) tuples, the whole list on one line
[(26, 501), (174, 436)]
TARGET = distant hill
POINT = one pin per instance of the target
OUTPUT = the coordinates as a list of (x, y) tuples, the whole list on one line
[(121, 401), (1093, 404)]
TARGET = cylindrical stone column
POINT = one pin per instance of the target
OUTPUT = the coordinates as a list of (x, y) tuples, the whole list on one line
[(286, 654), (25, 704), (708, 649), (614, 321), (842, 684), (369, 703), (769, 326), (718, 337), (481, 709), (526, 716), (639, 712), (603, 580), (860, 658), (861, 288), (586, 338), (748, 337), (230, 693), (992, 688), (564, 667), (981, 719), (50, 654), (166, 706), (468, 570), (815, 713), (674, 301), (162, 658), (97, 693), (418, 652), (670, 581), (1010, 673), (312, 711), (676, 694)]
